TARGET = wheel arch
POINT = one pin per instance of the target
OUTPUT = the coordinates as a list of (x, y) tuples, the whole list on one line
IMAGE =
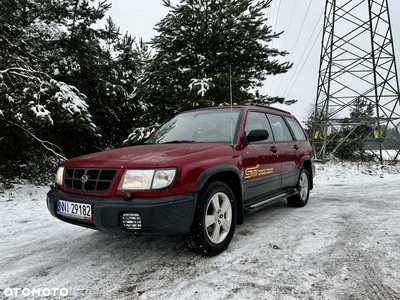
[(307, 164), (229, 175)]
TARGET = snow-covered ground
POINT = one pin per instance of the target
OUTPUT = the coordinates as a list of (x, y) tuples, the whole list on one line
[(343, 245)]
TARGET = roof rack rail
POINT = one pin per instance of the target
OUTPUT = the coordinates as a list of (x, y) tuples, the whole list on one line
[(266, 106)]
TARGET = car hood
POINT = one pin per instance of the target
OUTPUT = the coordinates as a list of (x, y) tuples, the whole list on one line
[(143, 156)]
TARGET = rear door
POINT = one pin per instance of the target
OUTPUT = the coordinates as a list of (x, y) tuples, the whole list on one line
[(289, 150), (261, 162), (302, 142)]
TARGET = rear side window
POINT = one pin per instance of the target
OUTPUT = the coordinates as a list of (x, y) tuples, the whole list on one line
[(296, 128), (280, 129)]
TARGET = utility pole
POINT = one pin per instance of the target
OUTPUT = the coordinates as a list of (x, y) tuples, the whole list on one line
[(357, 61)]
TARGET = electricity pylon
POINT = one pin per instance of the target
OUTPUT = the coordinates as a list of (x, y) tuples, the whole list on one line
[(357, 62)]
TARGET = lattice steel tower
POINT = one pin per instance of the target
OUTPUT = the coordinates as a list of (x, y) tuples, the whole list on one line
[(357, 68)]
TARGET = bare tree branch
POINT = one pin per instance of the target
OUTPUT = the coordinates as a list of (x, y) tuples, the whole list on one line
[(47, 145), (27, 73)]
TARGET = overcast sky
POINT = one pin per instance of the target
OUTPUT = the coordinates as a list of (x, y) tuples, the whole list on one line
[(302, 23)]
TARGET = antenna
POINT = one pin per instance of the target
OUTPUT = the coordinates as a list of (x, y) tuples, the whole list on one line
[(231, 99)]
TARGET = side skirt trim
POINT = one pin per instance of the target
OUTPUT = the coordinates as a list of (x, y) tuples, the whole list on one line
[(269, 200)]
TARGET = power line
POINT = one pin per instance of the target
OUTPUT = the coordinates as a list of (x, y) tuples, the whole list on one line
[(308, 55), (290, 22), (272, 42), (297, 39)]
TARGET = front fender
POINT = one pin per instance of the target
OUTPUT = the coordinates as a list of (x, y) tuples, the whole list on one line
[(236, 184), (207, 174)]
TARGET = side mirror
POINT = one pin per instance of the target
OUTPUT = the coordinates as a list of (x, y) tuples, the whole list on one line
[(255, 136)]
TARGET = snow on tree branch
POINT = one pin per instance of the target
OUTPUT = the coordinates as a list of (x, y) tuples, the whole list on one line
[(75, 103), (41, 112), (203, 83), (42, 95), (140, 133)]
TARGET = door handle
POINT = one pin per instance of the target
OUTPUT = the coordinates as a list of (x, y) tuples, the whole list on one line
[(274, 149), (296, 147)]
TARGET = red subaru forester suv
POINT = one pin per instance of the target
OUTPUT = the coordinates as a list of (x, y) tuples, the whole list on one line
[(196, 176)]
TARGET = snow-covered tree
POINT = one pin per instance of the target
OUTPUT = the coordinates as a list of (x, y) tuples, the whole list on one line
[(104, 65), (61, 75), (38, 112), (213, 42), (356, 131), (39, 118)]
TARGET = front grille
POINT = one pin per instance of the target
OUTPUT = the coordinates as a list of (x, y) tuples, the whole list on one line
[(89, 180)]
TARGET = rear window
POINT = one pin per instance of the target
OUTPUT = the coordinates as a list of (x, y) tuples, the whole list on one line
[(296, 129), (279, 128)]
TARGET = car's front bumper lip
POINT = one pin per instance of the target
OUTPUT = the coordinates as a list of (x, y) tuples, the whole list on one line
[(165, 215)]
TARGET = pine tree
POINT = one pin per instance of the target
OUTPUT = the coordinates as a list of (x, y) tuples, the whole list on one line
[(104, 66), (356, 130), (37, 111), (203, 44)]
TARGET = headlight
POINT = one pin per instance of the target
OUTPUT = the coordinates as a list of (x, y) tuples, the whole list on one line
[(59, 175), (147, 179)]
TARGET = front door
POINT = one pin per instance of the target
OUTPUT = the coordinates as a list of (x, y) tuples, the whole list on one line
[(261, 162)]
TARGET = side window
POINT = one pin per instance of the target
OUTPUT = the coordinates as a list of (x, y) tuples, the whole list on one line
[(296, 128), (258, 120), (280, 129)]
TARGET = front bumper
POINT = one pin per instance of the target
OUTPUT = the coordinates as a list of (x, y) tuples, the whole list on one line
[(164, 216)]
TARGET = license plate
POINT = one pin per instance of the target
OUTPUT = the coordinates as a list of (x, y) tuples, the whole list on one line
[(74, 210)]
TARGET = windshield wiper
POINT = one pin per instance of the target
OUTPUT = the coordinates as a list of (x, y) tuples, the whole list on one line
[(179, 142)]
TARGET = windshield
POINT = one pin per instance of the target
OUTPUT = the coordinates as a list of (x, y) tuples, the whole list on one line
[(199, 126)]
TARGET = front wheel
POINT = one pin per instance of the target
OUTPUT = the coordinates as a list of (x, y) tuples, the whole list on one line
[(214, 221), (303, 188)]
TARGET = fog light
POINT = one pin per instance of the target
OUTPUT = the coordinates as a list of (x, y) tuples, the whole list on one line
[(131, 221)]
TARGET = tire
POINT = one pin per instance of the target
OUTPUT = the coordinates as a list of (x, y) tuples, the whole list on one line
[(214, 221), (303, 188)]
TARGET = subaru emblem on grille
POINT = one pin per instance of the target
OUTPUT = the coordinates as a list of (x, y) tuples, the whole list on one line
[(84, 178)]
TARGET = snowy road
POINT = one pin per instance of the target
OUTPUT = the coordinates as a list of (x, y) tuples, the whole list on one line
[(343, 245)]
